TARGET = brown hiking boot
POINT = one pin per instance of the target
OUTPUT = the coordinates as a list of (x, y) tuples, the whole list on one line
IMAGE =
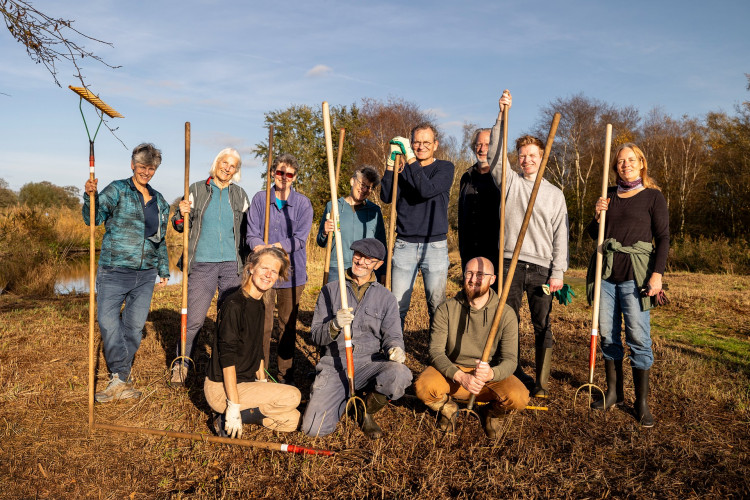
[(447, 410), (493, 422)]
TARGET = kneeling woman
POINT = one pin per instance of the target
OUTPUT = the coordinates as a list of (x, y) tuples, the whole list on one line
[(236, 387)]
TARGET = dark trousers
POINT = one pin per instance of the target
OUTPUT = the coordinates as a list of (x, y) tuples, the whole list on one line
[(529, 278), (286, 302)]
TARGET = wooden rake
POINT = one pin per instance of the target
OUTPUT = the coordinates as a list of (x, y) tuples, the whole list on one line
[(598, 279), (102, 108), (354, 401), (469, 411)]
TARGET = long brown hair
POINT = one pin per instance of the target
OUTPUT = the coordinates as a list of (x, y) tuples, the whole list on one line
[(648, 182), (252, 261)]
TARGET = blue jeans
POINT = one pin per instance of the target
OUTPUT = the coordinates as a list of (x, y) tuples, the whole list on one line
[(432, 260), (122, 333), (618, 301)]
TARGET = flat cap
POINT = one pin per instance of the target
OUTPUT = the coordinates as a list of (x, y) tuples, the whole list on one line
[(369, 247)]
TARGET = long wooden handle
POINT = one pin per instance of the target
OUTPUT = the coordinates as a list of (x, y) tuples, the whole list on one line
[(503, 182), (269, 183), (599, 257), (398, 162), (185, 249), (92, 285), (329, 237), (339, 252), (517, 250)]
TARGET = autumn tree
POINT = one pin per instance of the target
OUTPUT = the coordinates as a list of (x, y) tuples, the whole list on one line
[(47, 195), (7, 196)]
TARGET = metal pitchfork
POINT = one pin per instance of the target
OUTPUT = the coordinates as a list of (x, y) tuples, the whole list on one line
[(354, 400), (598, 278), (469, 411), (102, 108), (182, 358)]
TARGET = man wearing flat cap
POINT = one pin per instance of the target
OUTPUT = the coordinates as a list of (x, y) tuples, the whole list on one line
[(377, 339)]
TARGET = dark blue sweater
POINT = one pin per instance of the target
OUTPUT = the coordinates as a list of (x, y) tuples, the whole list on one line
[(422, 206)]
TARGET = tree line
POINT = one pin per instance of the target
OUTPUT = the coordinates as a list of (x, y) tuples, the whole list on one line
[(701, 164)]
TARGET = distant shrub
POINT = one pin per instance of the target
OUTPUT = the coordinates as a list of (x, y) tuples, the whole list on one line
[(709, 255)]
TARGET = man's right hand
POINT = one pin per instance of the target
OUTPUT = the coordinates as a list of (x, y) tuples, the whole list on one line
[(404, 147), (344, 318), (505, 100), (469, 382)]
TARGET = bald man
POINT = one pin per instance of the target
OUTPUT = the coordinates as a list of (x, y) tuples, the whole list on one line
[(457, 338)]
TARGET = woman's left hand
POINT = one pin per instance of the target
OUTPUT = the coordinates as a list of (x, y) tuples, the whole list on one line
[(163, 281), (654, 284)]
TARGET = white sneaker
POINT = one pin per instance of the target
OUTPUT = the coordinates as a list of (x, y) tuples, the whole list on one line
[(117, 389)]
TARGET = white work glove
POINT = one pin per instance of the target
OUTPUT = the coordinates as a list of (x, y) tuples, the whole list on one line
[(394, 151), (405, 147), (397, 354), (233, 420), (344, 317)]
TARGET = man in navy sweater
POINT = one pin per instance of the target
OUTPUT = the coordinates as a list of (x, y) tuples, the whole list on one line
[(422, 218)]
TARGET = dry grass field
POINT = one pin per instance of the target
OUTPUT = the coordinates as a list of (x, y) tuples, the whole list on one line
[(699, 448)]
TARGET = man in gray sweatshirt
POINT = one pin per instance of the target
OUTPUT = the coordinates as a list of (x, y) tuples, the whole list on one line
[(457, 338), (544, 253)]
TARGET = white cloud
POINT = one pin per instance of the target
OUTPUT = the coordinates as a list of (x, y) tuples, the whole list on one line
[(319, 70)]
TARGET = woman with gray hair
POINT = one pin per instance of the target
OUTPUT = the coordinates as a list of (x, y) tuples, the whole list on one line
[(359, 218), (133, 252), (215, 210)]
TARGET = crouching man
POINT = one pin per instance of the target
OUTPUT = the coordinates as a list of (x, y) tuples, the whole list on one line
[(459, 333), (236, 387), (377, 339)]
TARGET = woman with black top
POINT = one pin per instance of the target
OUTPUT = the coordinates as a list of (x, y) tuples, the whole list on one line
[(236, 387), (635, 255)]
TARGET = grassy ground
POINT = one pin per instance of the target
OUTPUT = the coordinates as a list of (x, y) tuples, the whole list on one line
[(700, 446)]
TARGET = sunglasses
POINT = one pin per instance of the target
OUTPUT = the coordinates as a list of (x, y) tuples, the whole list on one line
[(281, 173)]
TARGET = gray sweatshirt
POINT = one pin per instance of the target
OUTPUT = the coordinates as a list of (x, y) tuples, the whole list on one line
[(546, 240)]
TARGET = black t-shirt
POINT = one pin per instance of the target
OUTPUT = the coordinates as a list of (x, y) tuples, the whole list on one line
[(239, 338), (478, 217)]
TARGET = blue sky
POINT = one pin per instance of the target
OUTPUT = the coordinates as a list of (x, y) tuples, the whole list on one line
[(222, 64)]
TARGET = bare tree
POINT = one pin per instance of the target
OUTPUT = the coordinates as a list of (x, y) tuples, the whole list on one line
[(48, 40)]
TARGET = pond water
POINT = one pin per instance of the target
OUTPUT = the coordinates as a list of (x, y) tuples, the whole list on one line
[(74, 276)]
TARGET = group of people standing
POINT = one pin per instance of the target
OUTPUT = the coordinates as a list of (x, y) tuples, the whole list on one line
[(256, 277)]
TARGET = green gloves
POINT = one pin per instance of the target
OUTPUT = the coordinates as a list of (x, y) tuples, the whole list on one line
[(391, 160), (405, 147), (564, 295)]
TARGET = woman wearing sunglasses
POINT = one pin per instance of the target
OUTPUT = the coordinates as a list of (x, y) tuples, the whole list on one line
[(290, 221)]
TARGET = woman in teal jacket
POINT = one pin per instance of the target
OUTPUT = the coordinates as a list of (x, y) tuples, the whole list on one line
[(133, 253), (359, 217)]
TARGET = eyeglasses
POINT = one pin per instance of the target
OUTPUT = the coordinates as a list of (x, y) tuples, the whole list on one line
[(478, 275), (289, 175), (361, 258), (421, 143), (629, 161), (363, 186)]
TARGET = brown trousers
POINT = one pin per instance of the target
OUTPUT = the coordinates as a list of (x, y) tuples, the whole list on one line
[(507, 394), (277, 402), (286, 302)]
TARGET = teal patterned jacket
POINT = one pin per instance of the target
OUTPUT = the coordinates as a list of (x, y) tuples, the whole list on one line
[(119, 208)]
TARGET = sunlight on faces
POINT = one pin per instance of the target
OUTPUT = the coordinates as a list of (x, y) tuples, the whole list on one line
[(424, 144), (362, 265), (142, 174), (226, 169), (265, 273), (482, 146), (529, 159), (361, 189), (628, 165), (478, 277), (281, 179)]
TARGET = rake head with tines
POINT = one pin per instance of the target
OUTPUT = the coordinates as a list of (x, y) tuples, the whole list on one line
[(98, 103)]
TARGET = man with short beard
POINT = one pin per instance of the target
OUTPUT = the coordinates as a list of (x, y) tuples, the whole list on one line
[(479, 207), (377, 339), (457, 339)]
